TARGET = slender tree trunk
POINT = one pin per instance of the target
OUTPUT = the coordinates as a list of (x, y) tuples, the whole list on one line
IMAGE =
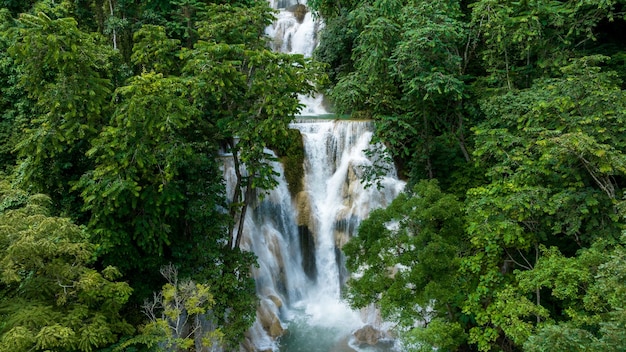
[(236, 200), (244, 209), (114, 32)]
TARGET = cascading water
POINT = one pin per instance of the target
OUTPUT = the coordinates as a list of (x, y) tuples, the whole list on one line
[(295, 32), (298, 237), (337, 201)]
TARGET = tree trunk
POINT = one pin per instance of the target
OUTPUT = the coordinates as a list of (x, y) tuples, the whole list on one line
[(114, 32), (242, 214), (236, 200)]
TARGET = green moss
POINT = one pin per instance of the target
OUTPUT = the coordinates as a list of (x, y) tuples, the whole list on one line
[(291, 153)]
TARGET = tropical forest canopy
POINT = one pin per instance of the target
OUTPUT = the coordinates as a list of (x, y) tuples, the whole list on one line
[(116, 231), (507, 119)]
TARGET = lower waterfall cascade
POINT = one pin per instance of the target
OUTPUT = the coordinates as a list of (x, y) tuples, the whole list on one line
[(298, 240)]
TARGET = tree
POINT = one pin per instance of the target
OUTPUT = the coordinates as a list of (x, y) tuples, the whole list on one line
[(408, 70), (524, 40), (14, 103), (134, 193), (591, 287), (406, 259), (248, 92), (154, 51), (156, 194), (556, 161), (66, 73), (180, 317), (51, 298)]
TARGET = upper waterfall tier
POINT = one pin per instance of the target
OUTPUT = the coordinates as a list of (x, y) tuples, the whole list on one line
[(295, 31)]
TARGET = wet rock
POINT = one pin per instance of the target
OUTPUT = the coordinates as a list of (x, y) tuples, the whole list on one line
[(269, 320), (303, 209), (277, 301), (299, 11), (368, 335), (307, 250), (246, 345)]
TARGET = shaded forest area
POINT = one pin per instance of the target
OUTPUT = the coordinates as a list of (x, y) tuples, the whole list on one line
[(507, 119)]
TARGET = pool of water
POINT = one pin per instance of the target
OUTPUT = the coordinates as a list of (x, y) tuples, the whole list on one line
[(307, 334)]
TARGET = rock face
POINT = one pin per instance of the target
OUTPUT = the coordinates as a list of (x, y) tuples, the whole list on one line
[(368, 335), (306, 234), (269, 319), (299, 11)]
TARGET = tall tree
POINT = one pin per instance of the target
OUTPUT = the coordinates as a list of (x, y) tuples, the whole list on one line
[(51, 297), (524, 40), (408, 71), (66, 73), (249, 92), (558, 162), (407, 257)]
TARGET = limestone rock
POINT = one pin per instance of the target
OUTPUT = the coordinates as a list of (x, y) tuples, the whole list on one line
[(368, 335), (303, 208), (277, 301), (246, 345), (299, 11), (266, 313)]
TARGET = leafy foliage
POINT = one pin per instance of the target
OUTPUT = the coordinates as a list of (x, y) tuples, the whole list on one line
[(133, 192), (543, 188), (407, 258), (178, 316), (249, 92), (125, 141), (50, 296), (407, 70), (66, 73), (556, 180)]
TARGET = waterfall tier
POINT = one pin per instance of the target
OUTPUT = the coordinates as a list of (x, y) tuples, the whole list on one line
[(295, 31), (298, 239)]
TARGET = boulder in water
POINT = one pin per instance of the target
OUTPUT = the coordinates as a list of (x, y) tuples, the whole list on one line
[(269, 320), (368, 335)]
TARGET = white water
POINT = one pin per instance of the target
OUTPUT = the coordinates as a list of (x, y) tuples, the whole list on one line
[(313, 317), (293, 37), (301, 273), (334, 165)]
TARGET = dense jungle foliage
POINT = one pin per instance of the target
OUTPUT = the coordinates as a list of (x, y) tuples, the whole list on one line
[(116, 231), (507, 119)]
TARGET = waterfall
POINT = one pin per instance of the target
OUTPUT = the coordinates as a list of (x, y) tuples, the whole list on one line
[(295, 32), (298, 237)]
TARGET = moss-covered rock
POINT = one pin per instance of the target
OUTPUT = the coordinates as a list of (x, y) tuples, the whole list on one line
[(291, 154)]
